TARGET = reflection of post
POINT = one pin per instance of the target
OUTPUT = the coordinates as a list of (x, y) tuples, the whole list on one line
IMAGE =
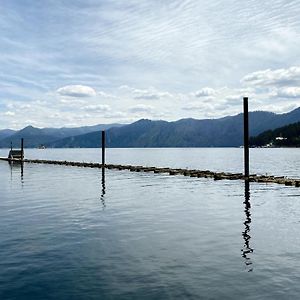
[(17, 165), (11, 172), (246, 236), (22, 172), (22, 149), (103, 188)]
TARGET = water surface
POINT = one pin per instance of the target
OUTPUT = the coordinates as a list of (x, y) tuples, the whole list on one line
[(70, 233)]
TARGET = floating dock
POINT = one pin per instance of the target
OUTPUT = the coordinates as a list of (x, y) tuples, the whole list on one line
[(185, 172)]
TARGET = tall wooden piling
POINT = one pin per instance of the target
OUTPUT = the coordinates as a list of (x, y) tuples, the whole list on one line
[(246, 137), (22, 149), (103, 148), (10, 146)]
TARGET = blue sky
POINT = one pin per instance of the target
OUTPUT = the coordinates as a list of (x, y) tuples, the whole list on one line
[(72, 63)]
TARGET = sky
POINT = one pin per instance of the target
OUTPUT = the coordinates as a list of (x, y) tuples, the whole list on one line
[(85, 62)]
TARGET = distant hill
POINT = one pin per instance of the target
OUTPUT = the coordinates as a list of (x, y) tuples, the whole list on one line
[(33, 137), (287, 136), (66, 132), (223, 132), (4, 133)]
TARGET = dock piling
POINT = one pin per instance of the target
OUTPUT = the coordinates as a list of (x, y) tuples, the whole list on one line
[(246, 137)]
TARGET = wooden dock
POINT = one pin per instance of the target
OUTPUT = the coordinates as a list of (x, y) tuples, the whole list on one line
[(170, 171)]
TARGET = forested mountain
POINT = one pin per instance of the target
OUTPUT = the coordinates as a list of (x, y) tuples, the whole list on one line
[(287, 136), (223, 132)]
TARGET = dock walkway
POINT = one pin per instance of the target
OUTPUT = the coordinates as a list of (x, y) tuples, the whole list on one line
[(185, 172)]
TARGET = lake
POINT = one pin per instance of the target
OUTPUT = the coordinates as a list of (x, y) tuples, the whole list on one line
[(75, 233)]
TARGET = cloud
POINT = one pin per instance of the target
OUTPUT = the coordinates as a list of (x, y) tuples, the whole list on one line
[(233, 99), (105, 95), (145, 94), (193, 107), (9, 113), (287, 92), (141, 108), (150, 94), (115, 115), (139, 43), (97, 108), (204, 92), (270, 77), (147, 97), (76, 91)]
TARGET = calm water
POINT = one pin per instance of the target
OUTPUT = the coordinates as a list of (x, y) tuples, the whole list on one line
[(70, 233)]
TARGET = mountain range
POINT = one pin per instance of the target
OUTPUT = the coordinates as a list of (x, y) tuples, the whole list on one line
[(222, 132), (35, 137)]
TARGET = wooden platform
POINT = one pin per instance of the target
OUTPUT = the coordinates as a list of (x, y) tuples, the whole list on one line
[(185, 172)]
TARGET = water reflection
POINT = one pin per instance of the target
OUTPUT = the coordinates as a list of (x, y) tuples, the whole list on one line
[(247, 250), (14, 166), (102, 197)]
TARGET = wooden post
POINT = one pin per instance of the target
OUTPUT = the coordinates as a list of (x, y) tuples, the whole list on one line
[(22, 148), (246, 138), (10, 146), (103, 148)]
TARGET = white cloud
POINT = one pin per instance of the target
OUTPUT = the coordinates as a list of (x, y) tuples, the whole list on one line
[(70, 102), (77, 91), (270, 77), (150, 94), (145, 94), (115, 115), (193, 106), (97, 108), (233, 100), (9, 113), (204, 92), (106, 95), (141, 108), (234, 97), (176, 47), (286, 92)]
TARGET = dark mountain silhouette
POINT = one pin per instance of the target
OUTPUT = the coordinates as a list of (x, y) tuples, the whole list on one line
[(287, 136), (223, 132)]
